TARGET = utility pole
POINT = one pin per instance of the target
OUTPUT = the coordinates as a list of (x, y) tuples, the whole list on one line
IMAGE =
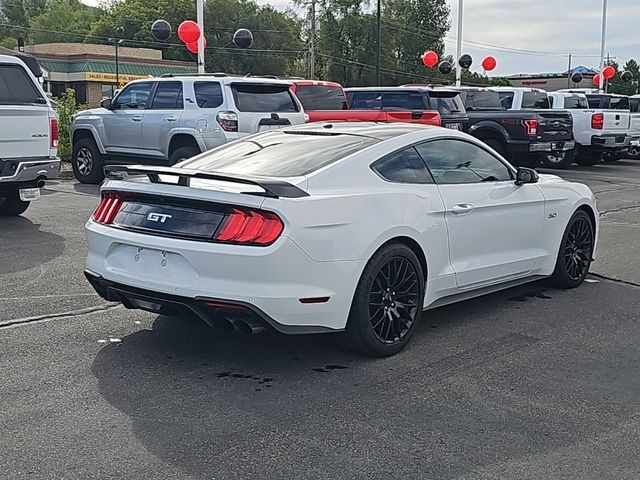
[(569, 73), (459, 44), (606, 85), (602, 42), (312, 41), (200, 18), (378, 46)]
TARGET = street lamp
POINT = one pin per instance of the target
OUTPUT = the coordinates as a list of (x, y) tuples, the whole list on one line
[(117, 43), (459, 44), (602, 42), (378, 46)]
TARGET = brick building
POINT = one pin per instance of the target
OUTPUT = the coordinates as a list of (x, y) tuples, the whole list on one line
[(554, 81), (90, 69)]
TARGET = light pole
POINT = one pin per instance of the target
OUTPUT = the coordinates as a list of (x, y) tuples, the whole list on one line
[(117, 42), (378, 45), (200, 19), (602, 44), (459, 44)]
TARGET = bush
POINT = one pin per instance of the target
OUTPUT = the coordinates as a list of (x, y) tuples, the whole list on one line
[(66, 106)]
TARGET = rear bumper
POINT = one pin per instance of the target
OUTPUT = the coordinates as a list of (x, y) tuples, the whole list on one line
[(552, 146), (610, 141), (28, 169)]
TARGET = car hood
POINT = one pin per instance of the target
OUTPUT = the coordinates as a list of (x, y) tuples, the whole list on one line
[(548, 178), (92, 111)]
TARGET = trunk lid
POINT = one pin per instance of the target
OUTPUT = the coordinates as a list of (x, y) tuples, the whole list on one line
[(616, 121), (555, 125)]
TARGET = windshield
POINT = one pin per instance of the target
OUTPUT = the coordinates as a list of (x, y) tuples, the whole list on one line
[(482, 100), (535, 100), (279, 154), (321, 97), (446, 102)]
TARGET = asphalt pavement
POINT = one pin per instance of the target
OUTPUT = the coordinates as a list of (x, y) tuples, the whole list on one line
[(528, 383)]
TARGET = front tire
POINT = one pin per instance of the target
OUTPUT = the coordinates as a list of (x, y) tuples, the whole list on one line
[(559, 160), (633, 153), (575, 253), (11, 205), (87, 162), (387, 303)]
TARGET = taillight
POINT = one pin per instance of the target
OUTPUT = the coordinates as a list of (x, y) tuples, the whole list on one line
[(107, 209), (249, 227), (531, 126), (54, 132), (228, 121), (597, 121)]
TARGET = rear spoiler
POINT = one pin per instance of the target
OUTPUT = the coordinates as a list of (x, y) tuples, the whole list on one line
[(272, 188)]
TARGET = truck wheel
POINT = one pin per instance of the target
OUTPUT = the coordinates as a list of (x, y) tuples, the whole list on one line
[(497, 146), (87, 161), (633, 153), (557, 159), (588, 158), (182, 153), (612, 157), (11, 205)]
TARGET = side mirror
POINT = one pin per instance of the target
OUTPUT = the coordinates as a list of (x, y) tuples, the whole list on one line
[(106, 103), (526, 175)]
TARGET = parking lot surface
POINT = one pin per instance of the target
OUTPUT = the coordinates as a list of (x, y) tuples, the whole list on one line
[(528, 383)]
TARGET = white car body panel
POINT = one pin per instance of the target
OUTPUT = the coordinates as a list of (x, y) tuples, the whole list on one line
[(512, 233)]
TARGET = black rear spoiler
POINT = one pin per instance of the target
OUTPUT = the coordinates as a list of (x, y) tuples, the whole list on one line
[(272, 188)]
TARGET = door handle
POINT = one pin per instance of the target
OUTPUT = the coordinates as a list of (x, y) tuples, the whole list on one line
[(170, 119), (137, 118), (461, 208)]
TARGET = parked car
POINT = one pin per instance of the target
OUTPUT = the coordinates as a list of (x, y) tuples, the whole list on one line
[(634, 127), (28, 136), (327, 101), (606, 135), (165, 120), (414, 104), (335, 227), (549, 133)]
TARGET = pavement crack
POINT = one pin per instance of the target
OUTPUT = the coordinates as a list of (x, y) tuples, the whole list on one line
[(620, 209), (53, 316), (613, 279)]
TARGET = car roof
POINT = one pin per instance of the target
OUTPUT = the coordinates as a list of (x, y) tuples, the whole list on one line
[(521, 89), (380, 131), (11, 59), (310, 83), (222, 78)]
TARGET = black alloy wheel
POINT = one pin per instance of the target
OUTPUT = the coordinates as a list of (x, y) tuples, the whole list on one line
[(576, 252), (394, 300)]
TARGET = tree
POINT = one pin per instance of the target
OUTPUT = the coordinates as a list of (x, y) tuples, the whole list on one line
[(63, 21), (616, 85)]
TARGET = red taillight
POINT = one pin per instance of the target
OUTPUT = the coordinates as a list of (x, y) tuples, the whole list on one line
[(54, 132), (531, 126), (250, 227), (228, 121), (107, 209), (597, 121)]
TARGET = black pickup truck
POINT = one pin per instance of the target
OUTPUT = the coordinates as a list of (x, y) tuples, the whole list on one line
[(525, 137)]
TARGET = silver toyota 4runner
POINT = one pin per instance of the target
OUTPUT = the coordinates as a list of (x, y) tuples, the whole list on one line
[(28, 136), (169, 119)]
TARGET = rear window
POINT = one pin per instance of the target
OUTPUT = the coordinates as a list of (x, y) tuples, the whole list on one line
[(263, 98), (16, 87), (446, 102), (634, 105), (279, 154), (506, 99), (208, 94), (535, 100), (575, 102), (619, 103), (321, 97), (482, 100), (403, 101)]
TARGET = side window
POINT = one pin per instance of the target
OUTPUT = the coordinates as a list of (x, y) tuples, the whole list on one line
[(456, 161), (365, 101), (619, 103), (404, 166), (208, 94), (506, 99), (403, 100), (134, 96), (16, 87), (168, 96), (634, 105)]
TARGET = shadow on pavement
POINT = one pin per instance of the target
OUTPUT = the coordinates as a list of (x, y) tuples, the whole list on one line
[(24, 245)]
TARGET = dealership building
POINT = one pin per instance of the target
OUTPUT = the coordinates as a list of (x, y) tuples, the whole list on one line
[(554, 81), (90, 69)]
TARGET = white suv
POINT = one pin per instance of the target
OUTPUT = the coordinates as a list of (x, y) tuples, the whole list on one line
[(168, 119), (28, 137)]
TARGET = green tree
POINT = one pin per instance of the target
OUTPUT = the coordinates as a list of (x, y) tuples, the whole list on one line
[(64, 21)]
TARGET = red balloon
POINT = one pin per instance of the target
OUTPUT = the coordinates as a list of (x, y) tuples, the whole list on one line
[(608, 72), (193, 46), (189, 31), (430, 59), (489, 63), (596, 80)]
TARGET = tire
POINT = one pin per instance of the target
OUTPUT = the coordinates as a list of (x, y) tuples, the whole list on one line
[(11, 205), (588, 158), (575, 252), (377, 327), (87, 162), (557, 160), (497, 145), (611, 157), (183, 153), (633, 153)]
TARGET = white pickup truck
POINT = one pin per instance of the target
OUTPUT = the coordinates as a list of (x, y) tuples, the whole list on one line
[(601, 127), (28, 137), (634, 127)]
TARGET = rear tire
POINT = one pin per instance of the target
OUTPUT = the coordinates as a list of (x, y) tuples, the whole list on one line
[(182, 153), (575, 252), (588, 158), (387, 304), (87, 162), (633, 153), (11, 205), (612, 157), (557, 160)]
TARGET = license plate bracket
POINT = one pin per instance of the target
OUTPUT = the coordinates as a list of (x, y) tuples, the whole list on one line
[(29, 194)]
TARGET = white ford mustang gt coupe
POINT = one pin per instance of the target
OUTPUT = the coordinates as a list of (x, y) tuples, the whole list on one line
[(343, 227)]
